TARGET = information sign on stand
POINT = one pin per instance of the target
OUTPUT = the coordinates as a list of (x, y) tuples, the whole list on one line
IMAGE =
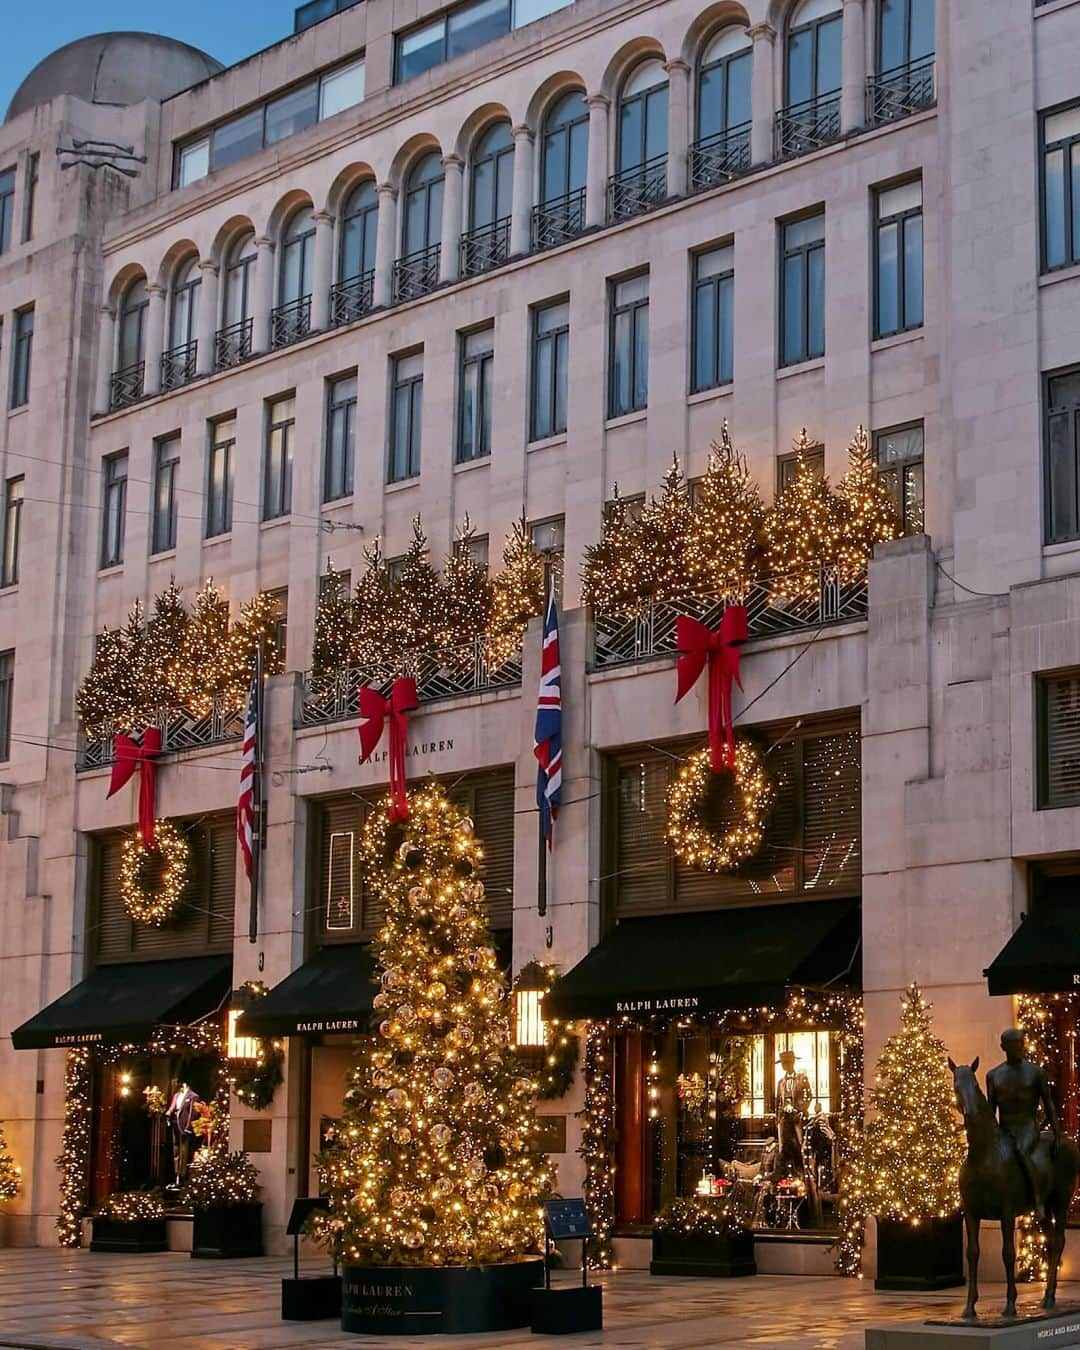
[(561, 1312)]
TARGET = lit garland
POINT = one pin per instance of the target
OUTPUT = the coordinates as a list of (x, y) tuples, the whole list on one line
[(10, 1172), (553, 1064), (218, 1180), (153, 877), (719, 851), (436, 1159), (598, 1144), (132, 1206), (715, 1216), (255, 1081)]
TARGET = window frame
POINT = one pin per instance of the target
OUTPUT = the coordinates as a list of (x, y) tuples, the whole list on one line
[(565, 130), (900, 219), (113, 510), (484, 362), (632, 308), (7, 700), (12, 529), (22, 353), (625, 103), (722, 64), (31, 178), (715, 284), (785, 464), (813, 26), (281, 508), (1070, 230), (802, 251), (559, 371), (227, 446), (1050, 411), (398, 385), (7, 208), (164, 517), (901, 467), (1043, 680), (345, 407)]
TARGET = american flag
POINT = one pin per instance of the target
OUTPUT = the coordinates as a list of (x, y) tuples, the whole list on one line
[(547, 738), (245, 803)]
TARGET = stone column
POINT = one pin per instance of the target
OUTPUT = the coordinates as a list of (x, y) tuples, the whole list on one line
[(154, 338), (208, 310), (264, 294), (385, 245), (106, 356), (678, 150), (521, 209), (853, 89), (597, 174), (761, 93), (323, 271), (453, 184)]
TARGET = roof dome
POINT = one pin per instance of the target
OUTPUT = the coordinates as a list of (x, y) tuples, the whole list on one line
[(116, 68)]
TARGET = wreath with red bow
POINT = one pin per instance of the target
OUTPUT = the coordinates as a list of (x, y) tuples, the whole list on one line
[(694, 842)]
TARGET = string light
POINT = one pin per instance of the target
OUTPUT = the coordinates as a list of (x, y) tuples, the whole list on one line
[(219, 1179), (153, 878), (133, 1206), (753, 795)]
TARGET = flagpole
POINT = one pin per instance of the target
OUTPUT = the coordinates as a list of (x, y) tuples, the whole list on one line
[(257, 803), (542, 843)]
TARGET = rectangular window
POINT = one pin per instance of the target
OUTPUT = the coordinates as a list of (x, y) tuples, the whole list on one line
[(476, 24), (237, 138), (549, 539), (13, 505), (164, 507), (787, 464), (317, 10), (1061, 188), (802, 289), (21, 353), (628, 363), (712, 335), (30, 183), (1061, 451), (476, 392), (279, 634), (340, 438), (7, 207), (420, 50), (1057, 706), (7, 700), (113, 508), (899, 453), (550, 357), (277, 467), (463, 29), (292, 112), (194, 162), (219, 477), (898, 259), (406, 407), (341, 89)]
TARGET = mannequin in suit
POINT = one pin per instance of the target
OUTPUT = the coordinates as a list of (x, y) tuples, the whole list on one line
[(180, 1115)]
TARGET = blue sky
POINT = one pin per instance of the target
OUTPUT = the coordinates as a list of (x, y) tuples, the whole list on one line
[(228, 31)]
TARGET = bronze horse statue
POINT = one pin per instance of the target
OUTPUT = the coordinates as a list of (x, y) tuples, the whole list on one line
[(995, 1185)]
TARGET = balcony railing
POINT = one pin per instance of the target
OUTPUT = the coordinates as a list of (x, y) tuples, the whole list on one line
[(471, 669), (805, 126), (352, 299), (178, 366), (485, 247), (289, 323), (232, 345), (720, 157), (632, 191), (900, 92), (416, 274), (619, 641), (126, 386), (180, 730), (558, 220)]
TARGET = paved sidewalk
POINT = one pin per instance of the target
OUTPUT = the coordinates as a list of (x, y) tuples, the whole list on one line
[(78, 1300)]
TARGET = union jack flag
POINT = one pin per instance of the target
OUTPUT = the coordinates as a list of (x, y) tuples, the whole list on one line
[(547, 737), (245, 803)]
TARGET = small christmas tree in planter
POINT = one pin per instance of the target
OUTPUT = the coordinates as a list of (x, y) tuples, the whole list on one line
[(914, 1148), (10, 1179), (706, 1235), (130, 1221), (223, 1191), (434, 1175)]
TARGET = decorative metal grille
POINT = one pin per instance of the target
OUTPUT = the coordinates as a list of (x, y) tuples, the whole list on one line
[(416, 274), (289, 323), (180, 730), (352, 299), (716, 159), (900, 92), (232, 345), (632, 191), (652, 633), (557, 220), (178, 366), (805, 126), (126, 386), (485, 248)]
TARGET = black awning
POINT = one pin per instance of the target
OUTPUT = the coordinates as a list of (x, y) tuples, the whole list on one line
[(1041, 957), (123, 1003), (330, 992), (709, 962)]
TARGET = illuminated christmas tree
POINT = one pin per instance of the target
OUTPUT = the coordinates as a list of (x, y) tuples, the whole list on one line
[(517, 593), (466, 600), (802, 530), (371, 608), (435, 1160), (10, 1175), (662, 532), (867, 510), (335, 636), (161, 647), (254, 631), (915, 1142), (202, 672), (725, 527), (417, 605), (609, 573)]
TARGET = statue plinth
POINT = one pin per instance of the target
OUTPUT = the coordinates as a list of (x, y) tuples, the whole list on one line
[(1031, 1329)]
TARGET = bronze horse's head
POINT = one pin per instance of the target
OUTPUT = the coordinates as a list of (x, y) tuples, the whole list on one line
[(969, 1096)]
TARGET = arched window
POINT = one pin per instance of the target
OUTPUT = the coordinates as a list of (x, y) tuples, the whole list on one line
[(359, 219), (722, 135), (178, 360), (904, 82), (812, 77), (131, 345), (233, 341), (641, 180), (291, 319), (417, 270), (564, 163), (491, 190)]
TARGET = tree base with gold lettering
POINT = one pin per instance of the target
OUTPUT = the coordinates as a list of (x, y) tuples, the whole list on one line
[(434, 1174)]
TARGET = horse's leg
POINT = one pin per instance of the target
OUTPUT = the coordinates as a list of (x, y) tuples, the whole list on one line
[(971, 1224), (1055, 1244), (1008, 1255)]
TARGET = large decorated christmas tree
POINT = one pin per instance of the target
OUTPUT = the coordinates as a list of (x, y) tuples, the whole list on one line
[(435, 1161)]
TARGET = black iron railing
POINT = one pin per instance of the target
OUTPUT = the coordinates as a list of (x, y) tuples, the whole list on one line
[(232, 345), (720, 157), (352, 298), (178, 366), (485, 247), (289, 323), (900, 92), (632, 191), (126, 386), (805, 126), (557, 220), (180, 730), (417, 273)]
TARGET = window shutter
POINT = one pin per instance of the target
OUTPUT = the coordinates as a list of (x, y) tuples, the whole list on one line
[(112, 935), (1060, 740), (640, 855), (221, 878), (493, 817), (832, 854)]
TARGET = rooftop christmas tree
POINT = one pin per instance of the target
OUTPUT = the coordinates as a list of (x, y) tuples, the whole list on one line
[(331, 652), (417, 603), (10, 1176), (517, 593), (467, 606), (662, 562), (609, 573), (435, 1161), (722, 543), (868, 514), (802, 530)]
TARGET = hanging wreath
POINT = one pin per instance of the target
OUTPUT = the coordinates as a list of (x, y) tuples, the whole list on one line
[(719, 851), (153, 877), (256, 1080)]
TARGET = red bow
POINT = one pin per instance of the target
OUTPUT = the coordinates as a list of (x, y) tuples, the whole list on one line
[(698, 644), (129, 755), (375, 709)]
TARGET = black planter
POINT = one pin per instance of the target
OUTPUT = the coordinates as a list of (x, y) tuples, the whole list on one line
[(422, 1300), (928, 1255), (118, 1235), (566, 1311), (227, 1231), (725, 1255), (310, 1299)]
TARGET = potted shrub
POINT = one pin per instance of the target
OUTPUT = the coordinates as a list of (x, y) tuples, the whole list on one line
[(130, 1221), (914, 1146), (223, 1191), (705, 1235)]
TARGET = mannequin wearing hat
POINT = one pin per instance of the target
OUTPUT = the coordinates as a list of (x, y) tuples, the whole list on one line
[(793, 1097)]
